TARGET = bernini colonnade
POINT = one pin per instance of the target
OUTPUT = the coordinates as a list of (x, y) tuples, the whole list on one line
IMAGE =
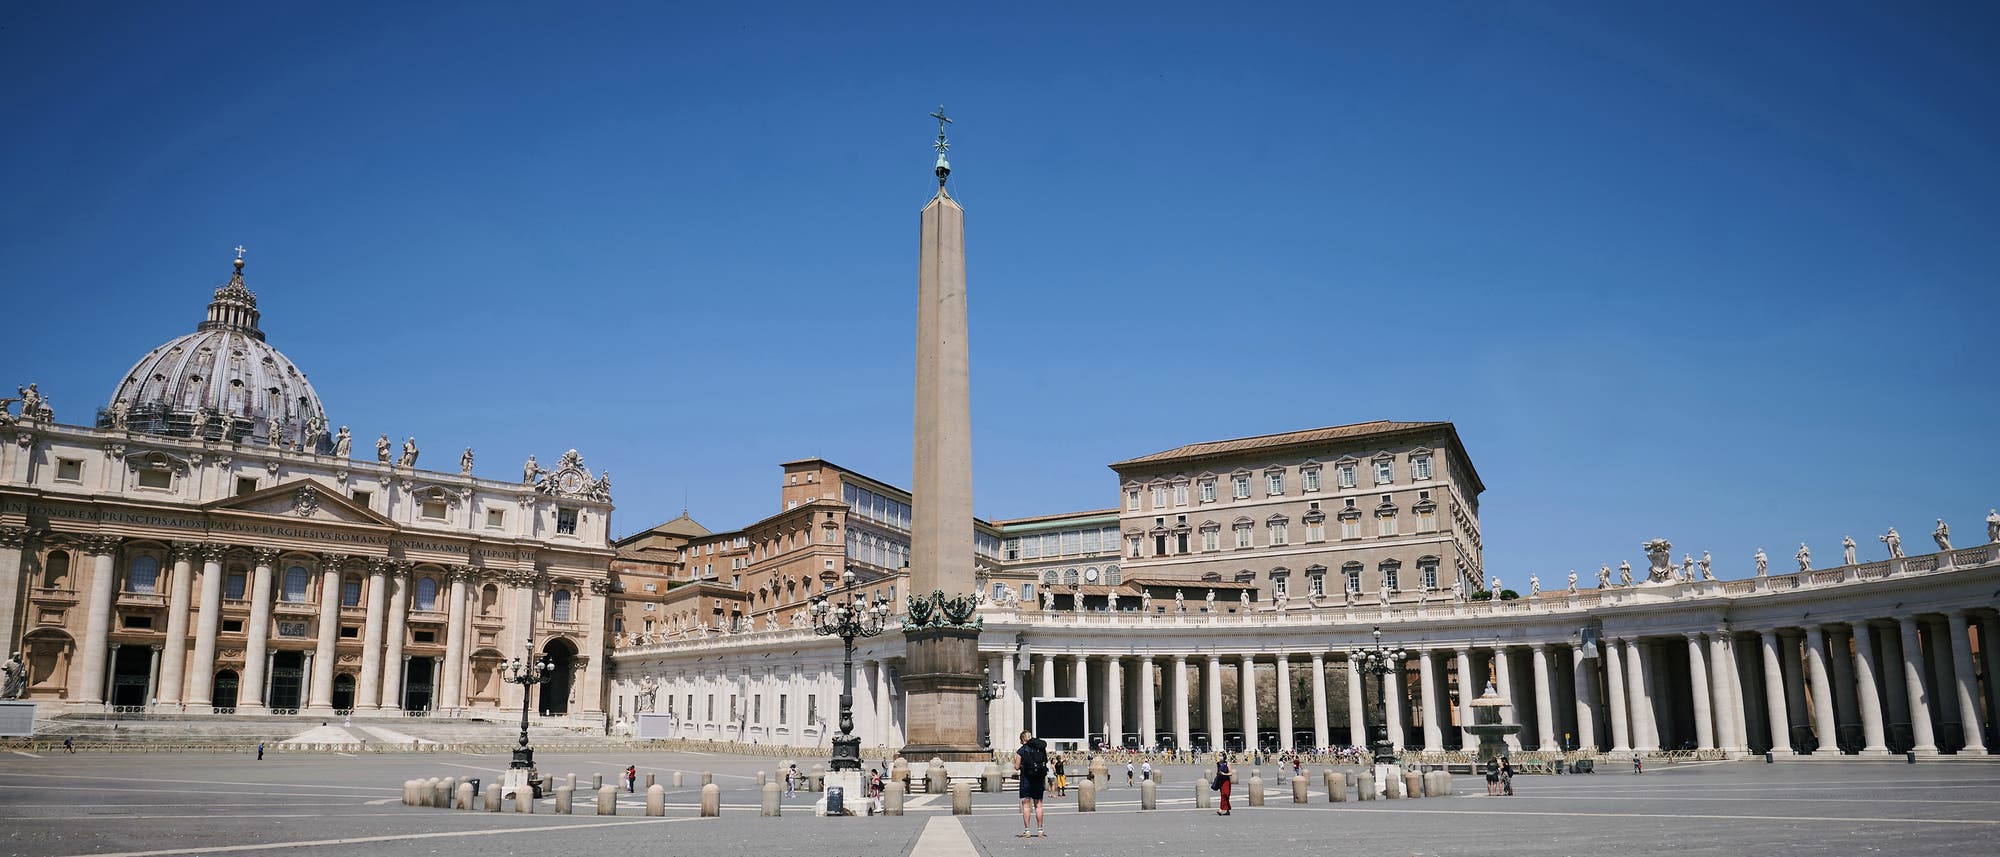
[(1865, 659)]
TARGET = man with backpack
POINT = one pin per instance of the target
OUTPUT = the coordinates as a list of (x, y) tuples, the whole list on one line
[(1032, 761)]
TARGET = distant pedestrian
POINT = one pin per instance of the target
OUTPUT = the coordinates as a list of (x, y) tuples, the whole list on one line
[(1222, 781), (1506, 776), (260, 751), (631, 779), (69, 745), (1146, 770), (1062, 779), (1032, 761), (1131, 774), (1492, 777), (792, 780), (1638, 766)]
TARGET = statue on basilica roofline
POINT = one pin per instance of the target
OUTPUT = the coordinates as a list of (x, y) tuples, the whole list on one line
[(120, 410), (1942, 535), (465, 462), (1804, 557), (382, 446), (1146, 601), (1687, 567), (1763, 563), (315, 430), (1048, 600), (32, 401), (409, 458), (531, 471), (343, 443), (1604, 576), (1847, 550), (13, 678), (1706, 573), (1993, 525), (274, 430), (1534, 585), (1625, 572), (1180, 602), (6, 412), (1894, 541), (1572, 581), (1111, 600), (1210, 601), (198, 424)]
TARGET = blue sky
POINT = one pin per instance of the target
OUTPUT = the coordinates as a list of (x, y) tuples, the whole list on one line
[(1720, 273)]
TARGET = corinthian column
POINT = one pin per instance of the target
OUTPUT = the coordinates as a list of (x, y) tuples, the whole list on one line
[(1180, 703), (368, 690), (257, 634), (173, 653), (1545, 720), (201, 675), (93, 659), (453, 684), (399, 614), (320, 699), (1427, 700)]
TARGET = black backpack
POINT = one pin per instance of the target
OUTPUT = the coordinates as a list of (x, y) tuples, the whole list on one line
[(1034, 762)]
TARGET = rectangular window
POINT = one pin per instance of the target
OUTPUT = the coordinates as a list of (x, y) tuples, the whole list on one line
[(1426, 520), (812, 708), (1346, 475), (1274, 483), (1240, 486), (1028, 592), (1159, 496), (1316, 585), (138, 622), (433, 510), (732, 708), (1354, 580), (710, 707), (1350, 528), (1011, 548), (1315, 531), (246, 485), (784, 708), (152, 478), (1242, 537), (566, 524), (1132, 500), (350, 592), (757, 709), (232, 626), (363, 498), (1278, 536), (1280, 588), (1390, 575), (1385, 525), (1309, 479), (1180, 543), (496, 518), (1208, 491), (1385, 471), (232, 587), (1211, 540), (423, 636), (1132, 547), (1420, 467), (1181, 494), (69, 470), (350, 632), (1429, 574)]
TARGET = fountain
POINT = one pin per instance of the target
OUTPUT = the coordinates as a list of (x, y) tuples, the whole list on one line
[(1488, 724)]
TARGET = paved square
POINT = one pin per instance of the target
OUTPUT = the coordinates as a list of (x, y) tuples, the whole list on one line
[(137, 804)]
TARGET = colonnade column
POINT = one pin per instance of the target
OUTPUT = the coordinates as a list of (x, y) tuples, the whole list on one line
[(319, 699), (1357, 722), (1246, 683), (1614, 692), (1114, 702), (173, 655), (1011, 699), (93, 657), (1048, 676), (1545, 721), (1774, 696), (392, 657), (1149, 724), (201, 674), (1913, 688), (1468, 690), (885, 710), (257, 634), (1699, 683), (1967, 682), (1284, 702), (1179, 702), (1581, 672), (1319, 700), (1395, 691), (1427, 700), (1645, 732), (1503, 681), (1728, 734), (452, 684), (1989, 647), (1213, 694), (368, 690), (1866, 692), (1082, 683), (1824, 726)]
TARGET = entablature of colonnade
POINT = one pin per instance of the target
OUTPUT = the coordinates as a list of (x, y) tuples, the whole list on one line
[(1959, 579)]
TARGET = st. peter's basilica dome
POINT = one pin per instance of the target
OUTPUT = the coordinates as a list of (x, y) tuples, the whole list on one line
[(221, 382)]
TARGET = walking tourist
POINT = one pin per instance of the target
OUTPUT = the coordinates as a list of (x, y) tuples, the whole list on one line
[(1506, 776), (631, 779), (1130, 773), (1062, 779), (1146, 770), (1492, 777), (1222, 781), (792, 780), (1032, 761)]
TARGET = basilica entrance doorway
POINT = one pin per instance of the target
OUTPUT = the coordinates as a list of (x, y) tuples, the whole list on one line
[(553, 695), (223, 695), (343, 692), (288, 675), (418, 677), (131, 672)]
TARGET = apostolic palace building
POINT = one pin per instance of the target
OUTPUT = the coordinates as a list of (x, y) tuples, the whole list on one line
[(207, 543)]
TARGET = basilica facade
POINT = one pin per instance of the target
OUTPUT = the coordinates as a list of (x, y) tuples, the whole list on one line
[(207, 543)]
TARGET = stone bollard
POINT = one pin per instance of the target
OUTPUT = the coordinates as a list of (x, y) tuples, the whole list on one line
[(464, 796), (707, 778), (991, 779), (1413, 785), (818, 780), (596, 781), (1099, 774), (493, 799), (762, 779), (892, 798), (961, 799), (656, 800), (524, 800), (569, 779), (1149, 795), (771, 794), (1336, 787), (1444, 783), (607, 800), (1086, 796), (1256, 788), (1299, 789), (651, 781), (936, 781), (1364, 786), (564, 797), (441, 794), (677, 779), (1392, 786), (450, 789), (711, 800), (1203, 795), (410, 792)]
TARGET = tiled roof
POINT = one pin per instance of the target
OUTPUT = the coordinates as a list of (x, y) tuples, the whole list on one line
[(1242, 444)]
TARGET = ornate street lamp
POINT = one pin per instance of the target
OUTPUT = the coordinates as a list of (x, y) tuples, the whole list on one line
[(1378, 661), (847, 614), (527, 674)]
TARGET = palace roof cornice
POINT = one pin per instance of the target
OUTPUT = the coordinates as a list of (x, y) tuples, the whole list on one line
[(1301, 439)]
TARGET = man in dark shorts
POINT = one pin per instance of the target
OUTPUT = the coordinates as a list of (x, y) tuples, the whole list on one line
[(1032, 761)]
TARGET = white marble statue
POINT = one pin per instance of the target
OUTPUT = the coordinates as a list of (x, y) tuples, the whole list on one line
[(1458, 588), (1625, 572), (1804, 557), (382, 445), (1604, 577), (119, 411), (1993, 526), (1534, 585), (409, 458), (343, 443), (1763, 563), (1894, 541), (529, 471), (274, 430), (1111, 601), (1706, 572), (315, 429), (1076, 601), (13, 678), (1243, 598), (1572, 581), (198, 423), (31, 401), (1847, 550), (1942, 535), (1146, 601), (1048, 600), (1180, 602), (1349, 593), (1387, 594), (465, 462), (1687, 567), (1209, 601)]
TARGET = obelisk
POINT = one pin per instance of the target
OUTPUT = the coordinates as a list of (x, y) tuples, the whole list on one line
[(942, 675)]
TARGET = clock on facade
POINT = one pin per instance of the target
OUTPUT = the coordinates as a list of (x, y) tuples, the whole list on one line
[(1090, 575)]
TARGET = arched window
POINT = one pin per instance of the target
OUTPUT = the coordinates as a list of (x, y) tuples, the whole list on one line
[(296, 581), (143, 575), (1069, 576), (350, 591), (427, 593), (1049, 576), (55, 574), (560, 607)]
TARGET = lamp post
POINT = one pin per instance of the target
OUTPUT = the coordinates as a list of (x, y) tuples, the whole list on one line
[(1378, 661), (527, 674), (847, 614)]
